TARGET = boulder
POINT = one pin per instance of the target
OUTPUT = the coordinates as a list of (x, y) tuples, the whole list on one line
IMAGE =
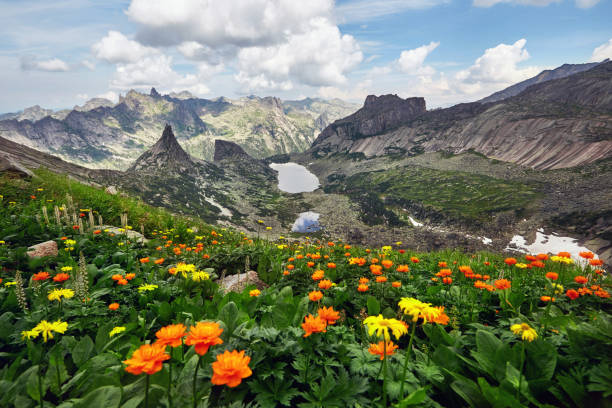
[(131, 234), (10, 166), (47, 248), (111, 190), (237, 283)]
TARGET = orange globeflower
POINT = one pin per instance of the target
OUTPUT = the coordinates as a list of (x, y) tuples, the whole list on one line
[(572, 294), (230, 368), (538, 264), (317, 275), (117, 277), (130, 276), (414, 259), (290, 267), (204, 335), (363, 280), (502, 284), (147, 359), (542, 257), (546, 299), (310, 264), (595, 262), (315, 295), (587, 255), (379, 349), (159, 261), (363, 287), (328, 314), (381, 279), (325, 284), (396, 284), (531, 258), (285, 273), (61, 277), (96, 232), (254, 293), (113, 306), (447, 280), (376, 269), (331, 265), (314, 324), (291, 259), (402, 268), (510, 261), (41, 276), (552, 275), (122, 282), (144, 260), (442, 264), (374, 260), (564, 254), (387, 263), (580, 280), (602, 293), (171, 335)]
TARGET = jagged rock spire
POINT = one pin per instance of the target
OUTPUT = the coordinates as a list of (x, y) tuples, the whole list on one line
[(226, 150), (166, 153)]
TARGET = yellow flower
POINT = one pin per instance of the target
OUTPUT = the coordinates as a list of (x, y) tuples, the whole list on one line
[(199, 237), (147, 287), (520, 265), (386, 249), (558, 288), (46, 329), (561, 259), (10, 284), (525, 331), (69, 242), (381, 326), (66, 268), (58, 294), (268, 228), (116, 330), (413, 307), (199, 276), (184, 268), (29, 334)]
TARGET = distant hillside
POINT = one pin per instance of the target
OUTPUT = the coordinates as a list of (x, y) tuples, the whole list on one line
[(101, 134)]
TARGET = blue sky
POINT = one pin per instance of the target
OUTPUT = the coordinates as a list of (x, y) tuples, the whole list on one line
[(58, 54)]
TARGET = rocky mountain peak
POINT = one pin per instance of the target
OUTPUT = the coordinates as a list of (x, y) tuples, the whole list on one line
[(229, 150), (154, 93), (166, 153), (272, 101)]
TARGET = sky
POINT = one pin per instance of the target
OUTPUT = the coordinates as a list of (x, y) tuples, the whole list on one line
[(60, 53)]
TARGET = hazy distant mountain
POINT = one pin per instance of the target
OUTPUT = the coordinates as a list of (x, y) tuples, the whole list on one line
[(554, 124), (547, 75)]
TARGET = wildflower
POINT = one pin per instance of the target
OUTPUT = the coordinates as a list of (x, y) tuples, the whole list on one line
[(376, 269), (58, 294), (66, 268), (40, 276), (414, 259), (310, 264), (402, 268), (113, 306), (318, 275), (580, 280), (159, 261), (148, 359), (561, 259), (363, 288), (379, 349), (291, 267), (552, 275), (387, 263), (381, 279), (595, 262), (572, 294), (418, 309), (116, 330), (396, 284), (525, 331), (447, 280), (230, 368), (542, 257), (314, 324), (96, 232), (130, 276), (546, 298), (254, 293), (61, 277), (382, 326), (564, 255), (147, 287), (117, 277), (363, 280), (200, 276), (328, 314), (538, 264), (7, 284), (502, 284), (557, 288), (171, 335), (122, 282), (29, 334), (204, 335), (285, 272), (442, 264), (325, 284), (602, 293), (144, 260), (331, 265), (357, 261), (510, 261), (46, 329), (315, 295), (521, 265)]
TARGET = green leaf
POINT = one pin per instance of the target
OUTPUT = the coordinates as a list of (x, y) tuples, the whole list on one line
[(414, 398), (108, 397), (373, 306), (82, 350)]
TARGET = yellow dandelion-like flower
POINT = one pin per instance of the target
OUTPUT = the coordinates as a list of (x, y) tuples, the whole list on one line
[(116, 330), (199, 276), (382, 327), (525, 331), (147, 287)]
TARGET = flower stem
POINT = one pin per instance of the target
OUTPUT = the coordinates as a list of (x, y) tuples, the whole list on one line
[(146, 401), (406, 361), (195, 377), (170, 378), (384, 364), (518, 390), (40, 388)]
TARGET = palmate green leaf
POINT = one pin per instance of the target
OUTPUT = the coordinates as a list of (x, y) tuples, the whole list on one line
[(414, 398), (575, 390), (274, 392), (600, 379)]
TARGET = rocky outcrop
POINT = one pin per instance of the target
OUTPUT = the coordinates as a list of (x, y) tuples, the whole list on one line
[(13, 168), (229, 150), (47, 248), (238, 282), (555, 124), (167, 153)]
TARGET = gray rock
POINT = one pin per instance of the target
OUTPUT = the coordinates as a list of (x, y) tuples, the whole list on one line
[(131, 234), (47, 248), (10, 166), (111, 190), (237, 283)]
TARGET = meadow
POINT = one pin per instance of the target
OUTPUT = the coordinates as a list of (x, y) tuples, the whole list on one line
[(115, 321)]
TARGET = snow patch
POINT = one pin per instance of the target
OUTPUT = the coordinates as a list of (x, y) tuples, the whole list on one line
[(547, 243)]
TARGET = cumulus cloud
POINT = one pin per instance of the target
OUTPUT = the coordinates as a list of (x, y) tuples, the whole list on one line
[(539, 3), (30, 63), (411, 61), (117, 48), (320, 56), (602, 52), (216, 23), (499, 65)]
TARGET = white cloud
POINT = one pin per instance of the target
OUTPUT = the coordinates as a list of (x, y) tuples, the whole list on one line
[(220, 23), (29, 63), (110, 95), (83, 97), (357, 93), (117, 48), (321, 56), (602, 52), (586, 3), (411, 61), (499, 65), (538, 3), (365, 10), (89, 65)]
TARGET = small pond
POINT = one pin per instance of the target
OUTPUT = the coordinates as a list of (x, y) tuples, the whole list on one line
[(295, 178), (307, 222)]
